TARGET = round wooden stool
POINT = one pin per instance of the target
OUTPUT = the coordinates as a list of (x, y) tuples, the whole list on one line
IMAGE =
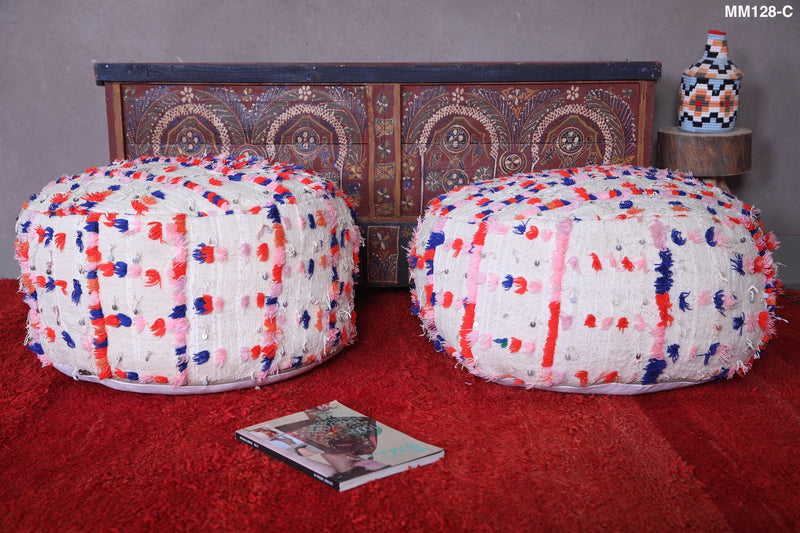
[(710, 156)]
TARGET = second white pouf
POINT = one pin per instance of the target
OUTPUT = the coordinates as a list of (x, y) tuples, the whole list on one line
[(616, 280)]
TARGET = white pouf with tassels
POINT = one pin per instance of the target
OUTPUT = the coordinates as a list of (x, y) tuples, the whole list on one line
[(617, 280), (188, 275)]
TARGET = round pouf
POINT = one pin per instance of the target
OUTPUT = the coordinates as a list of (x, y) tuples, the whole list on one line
[(616, 280), (188, 275)]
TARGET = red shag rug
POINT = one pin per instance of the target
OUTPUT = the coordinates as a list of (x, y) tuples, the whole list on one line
[(78, 456)]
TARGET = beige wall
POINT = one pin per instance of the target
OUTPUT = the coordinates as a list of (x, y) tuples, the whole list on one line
[(52, 115)]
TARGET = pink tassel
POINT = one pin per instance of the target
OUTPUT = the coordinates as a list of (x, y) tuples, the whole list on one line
[(220, 356), (725, 353), (528, 348), (486, 342), (179, 328), (659, 233), (573, 263), (704, 298), (181, 379)]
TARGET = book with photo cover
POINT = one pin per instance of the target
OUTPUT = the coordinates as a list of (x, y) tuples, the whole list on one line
[(339, 446)]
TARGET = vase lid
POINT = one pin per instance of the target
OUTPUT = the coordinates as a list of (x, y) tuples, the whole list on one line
[(715, 63)]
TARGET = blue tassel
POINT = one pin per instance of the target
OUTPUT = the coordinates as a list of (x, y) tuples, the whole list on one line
[(712, 351), (79, 241), (76, 292), (311, 222), (68, 339), (121, 224), (179, 311), (719, 376), (710, 239), (305, 319), (48, 236), (719, 301), (738, 323), (200, 306), (683, 305), (664, 282), (36, 348), (435, 239), (124, 320), (672, 352), (654, 369), (508, 282), (310, 268), (737, 264), (201, 357), (273, 214), (677, 237)]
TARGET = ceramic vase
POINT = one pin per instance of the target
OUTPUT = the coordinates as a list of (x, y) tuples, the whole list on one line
[(709, 95)]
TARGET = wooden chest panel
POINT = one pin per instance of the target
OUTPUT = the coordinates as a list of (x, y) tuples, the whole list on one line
[(323, 128), (392, 137), (456, 134)]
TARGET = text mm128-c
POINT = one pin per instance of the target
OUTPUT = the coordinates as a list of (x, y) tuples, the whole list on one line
[(758, 11)]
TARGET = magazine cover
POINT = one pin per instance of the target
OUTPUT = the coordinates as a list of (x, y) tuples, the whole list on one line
[(339, 446)]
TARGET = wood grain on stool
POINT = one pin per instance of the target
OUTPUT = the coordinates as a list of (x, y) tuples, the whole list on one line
[(705, 154), (711, 156)]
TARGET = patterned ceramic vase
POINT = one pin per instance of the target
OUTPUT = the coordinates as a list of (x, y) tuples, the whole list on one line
[(709, 95)]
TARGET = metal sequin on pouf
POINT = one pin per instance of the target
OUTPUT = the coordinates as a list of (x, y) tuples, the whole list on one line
[(617, 280), (188, 275)]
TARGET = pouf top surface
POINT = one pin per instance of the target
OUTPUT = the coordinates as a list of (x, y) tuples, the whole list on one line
[(597, 192), (163, 186)]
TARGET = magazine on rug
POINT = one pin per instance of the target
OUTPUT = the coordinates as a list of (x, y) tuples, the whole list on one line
[(339, 446)]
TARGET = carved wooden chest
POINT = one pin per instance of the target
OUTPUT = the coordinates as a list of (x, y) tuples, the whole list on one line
[(391, 136)]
